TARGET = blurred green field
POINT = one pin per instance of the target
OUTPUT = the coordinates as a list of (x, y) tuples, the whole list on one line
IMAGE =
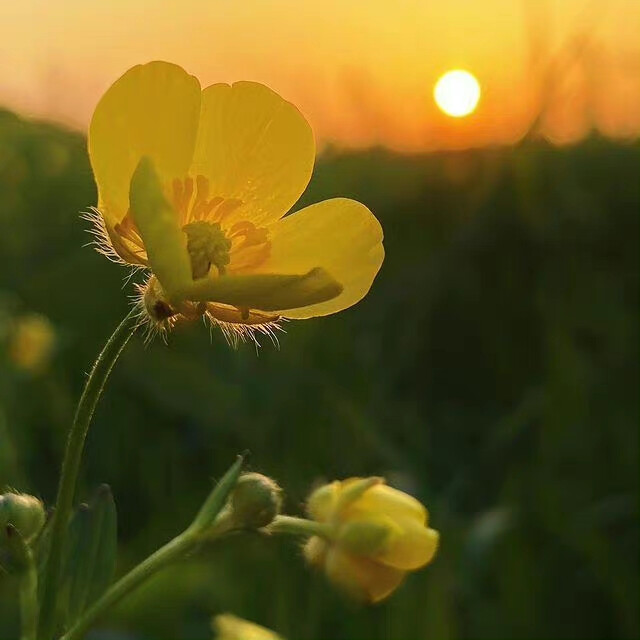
[(492, 372)]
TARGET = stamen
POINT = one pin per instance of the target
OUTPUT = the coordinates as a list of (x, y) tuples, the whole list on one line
[(188, 192), (200, 202), (178, 190), (211, 205), (226, 208), (182, 192), (251, 246), (127, 229), (193, 208)]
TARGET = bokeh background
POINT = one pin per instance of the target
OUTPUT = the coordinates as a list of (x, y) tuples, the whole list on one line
[(492, 371)]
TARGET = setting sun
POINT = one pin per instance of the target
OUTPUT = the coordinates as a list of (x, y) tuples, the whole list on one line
[(457, 93)]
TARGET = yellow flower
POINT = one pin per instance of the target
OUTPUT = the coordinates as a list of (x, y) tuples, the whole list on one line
[(194, 185), (375, 535), (230, 627), (32, 343)]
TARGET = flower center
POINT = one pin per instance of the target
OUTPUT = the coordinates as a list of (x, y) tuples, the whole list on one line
[(215, 236), (207, 245)]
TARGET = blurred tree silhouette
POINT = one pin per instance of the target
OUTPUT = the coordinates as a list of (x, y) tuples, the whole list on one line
[(492, 372)]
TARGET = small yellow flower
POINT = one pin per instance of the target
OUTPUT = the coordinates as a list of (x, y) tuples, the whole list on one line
[(195, 184), (32, 343), (230, 627), (375, 535)]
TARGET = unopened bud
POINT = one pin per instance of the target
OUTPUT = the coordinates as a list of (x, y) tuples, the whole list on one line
[(32, 343), (255, 501), (230, 627), (25, 513)]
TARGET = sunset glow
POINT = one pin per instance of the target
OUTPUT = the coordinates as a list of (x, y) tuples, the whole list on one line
[(457, 93), (363, 78)]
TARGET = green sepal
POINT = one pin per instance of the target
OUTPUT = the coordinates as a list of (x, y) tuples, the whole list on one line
[(367, 537), (91, 552), (164, 240), (267, 291)]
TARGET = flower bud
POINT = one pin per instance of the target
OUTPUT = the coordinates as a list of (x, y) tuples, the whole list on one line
[(375, 535), (32, 343), (255, 501), (230, 627), (25, 513)]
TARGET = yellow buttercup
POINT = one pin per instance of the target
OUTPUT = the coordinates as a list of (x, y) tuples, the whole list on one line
[(230, 627), (372, 536), (194, 185)]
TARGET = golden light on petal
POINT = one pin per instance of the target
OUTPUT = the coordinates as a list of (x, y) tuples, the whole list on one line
[(457, 93)]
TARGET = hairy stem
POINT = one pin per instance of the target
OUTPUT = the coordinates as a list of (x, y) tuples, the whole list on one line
[(70, 466)]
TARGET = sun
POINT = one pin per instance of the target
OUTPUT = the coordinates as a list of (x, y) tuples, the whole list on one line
[(457, 93)]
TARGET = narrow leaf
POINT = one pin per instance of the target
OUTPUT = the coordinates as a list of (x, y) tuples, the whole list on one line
[(217, 498), (92, 551)]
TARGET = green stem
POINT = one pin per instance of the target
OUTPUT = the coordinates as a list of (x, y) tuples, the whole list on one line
[(299, 527), (179, 547), (29, 600), (164, 556), (71, 464)]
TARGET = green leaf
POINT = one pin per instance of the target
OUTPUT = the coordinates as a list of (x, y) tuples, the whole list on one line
[(91, 553), (218, 497)]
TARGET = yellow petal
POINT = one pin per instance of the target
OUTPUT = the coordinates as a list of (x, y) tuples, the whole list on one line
[(352, 489), (339, 235), (361, 578), (389, 501), (165, 242), (253, 146), (321, 503), (266, 292), (152, 110), (413, 549), (230, 627), (315, 551)]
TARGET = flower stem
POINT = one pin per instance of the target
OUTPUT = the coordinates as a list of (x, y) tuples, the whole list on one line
[(71, 464), (177, 548), (29, 600), (298, 527), (164, 556)]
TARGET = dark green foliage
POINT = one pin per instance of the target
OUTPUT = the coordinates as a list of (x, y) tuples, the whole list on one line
[(91, 552), (492, 372)]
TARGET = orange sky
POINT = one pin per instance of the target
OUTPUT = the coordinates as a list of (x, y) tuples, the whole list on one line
[(361, 70)]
